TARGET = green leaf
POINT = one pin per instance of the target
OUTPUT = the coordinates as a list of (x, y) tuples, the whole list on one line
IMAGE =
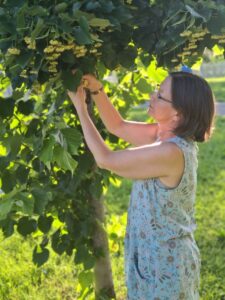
[(73, 139), (15, 69), (44, 223), (6, 107), (98, 22), (42, 198), (84, 24), (85, 279), (26, 226), (25, 203), (83, 256), (143, 86), (68, 57), (6, 26), (71, 81), (91, 5), (5, 207), (20, 20), (61, 7), (37, 11), (127, 57), (26, 107), (33, 127), (171, 17), (63, 159), (107, 7), (7, 200), (217, 22), (59, 242), (24, 59), (13, 143), (7, 226), (8, 181), (37, 165), (46, 153), (181, 20), (82, 37), (109, 57), (40, 255), (38, 28)]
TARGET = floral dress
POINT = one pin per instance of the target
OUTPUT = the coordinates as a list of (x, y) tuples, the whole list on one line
[(162, 259)]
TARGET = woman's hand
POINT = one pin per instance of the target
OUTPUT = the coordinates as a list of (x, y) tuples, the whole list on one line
[(91, 83), (88, 82), (78, 98)]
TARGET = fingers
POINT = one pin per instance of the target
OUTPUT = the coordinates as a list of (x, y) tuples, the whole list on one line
[(85, 82), (79, 92)]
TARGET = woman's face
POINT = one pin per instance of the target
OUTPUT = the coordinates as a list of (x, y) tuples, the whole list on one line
[(161, 108)]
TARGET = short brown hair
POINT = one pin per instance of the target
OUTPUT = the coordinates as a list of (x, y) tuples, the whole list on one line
[(193, 98)]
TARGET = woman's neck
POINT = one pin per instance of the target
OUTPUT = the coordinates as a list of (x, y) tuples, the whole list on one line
[(165, 132)]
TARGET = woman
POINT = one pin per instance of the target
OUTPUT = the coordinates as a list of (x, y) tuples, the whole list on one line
[(162, 259)]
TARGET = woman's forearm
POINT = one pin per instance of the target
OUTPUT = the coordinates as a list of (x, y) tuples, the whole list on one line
[(109, 115), (92, 137)]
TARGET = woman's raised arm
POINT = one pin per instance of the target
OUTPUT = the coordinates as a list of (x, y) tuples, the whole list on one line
[(135, 133)]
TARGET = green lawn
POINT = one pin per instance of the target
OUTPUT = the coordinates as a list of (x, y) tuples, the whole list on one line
[(218, 87), (56, 280)]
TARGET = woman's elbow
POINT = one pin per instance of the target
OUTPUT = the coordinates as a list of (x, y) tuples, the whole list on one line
[(100, 165), (104, 163)]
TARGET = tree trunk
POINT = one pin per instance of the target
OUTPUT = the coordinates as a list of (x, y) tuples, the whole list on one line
[(104, 287)]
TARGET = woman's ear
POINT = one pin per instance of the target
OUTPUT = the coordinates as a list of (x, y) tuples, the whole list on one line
[(177, 117)]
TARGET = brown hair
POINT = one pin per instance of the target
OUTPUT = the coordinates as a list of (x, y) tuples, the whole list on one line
[(193, 98)]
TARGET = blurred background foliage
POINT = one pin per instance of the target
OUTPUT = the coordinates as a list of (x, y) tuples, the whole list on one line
[(47, 173)]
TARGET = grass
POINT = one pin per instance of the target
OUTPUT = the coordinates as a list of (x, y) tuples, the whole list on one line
[(57, 279), (21, 280), (218, 88)]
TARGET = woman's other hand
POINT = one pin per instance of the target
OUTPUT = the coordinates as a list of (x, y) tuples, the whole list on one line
[(78, 98)]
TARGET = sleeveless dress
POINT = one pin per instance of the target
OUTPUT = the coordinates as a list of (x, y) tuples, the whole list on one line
[(162, 259)]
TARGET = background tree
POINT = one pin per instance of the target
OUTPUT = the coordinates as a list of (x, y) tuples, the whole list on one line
[(49, 180)]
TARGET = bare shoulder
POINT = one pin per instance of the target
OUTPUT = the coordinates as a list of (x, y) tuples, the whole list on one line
[(172, 153)]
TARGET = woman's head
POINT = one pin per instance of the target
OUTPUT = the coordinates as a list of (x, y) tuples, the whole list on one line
[(186, 101), (193, 99)]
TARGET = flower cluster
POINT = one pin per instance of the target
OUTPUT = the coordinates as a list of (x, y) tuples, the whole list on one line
[(191, 45), (31, 44), (13, 51), (220, 38), (56, 48)]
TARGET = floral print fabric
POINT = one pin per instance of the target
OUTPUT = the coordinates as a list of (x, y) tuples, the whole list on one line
[(162, 259)]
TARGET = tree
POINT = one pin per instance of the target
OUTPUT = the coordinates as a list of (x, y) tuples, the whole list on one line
[(49, 179)]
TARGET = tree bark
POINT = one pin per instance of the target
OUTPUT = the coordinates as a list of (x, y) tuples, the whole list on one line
[(104, 286)]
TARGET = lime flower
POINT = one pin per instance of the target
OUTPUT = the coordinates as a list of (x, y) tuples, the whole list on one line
[(14, 51)]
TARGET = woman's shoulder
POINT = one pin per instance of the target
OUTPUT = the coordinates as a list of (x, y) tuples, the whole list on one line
[(185, 142)]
